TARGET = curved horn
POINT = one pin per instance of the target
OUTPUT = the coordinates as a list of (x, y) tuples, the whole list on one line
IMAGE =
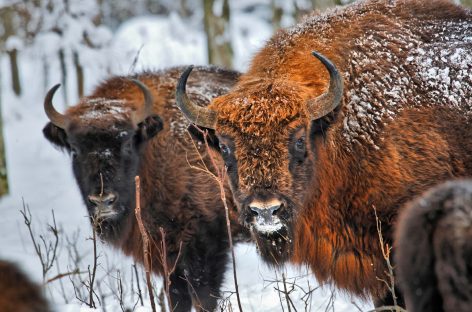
[(200, 116), (329, 100), (146, 109), (58, 119)]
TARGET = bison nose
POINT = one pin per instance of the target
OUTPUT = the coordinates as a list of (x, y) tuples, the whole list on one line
[(103, 200), (265, 213), (265, 210), (266, 220)]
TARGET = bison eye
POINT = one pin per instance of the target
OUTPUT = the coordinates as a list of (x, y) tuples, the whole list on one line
[(224, 149), (300, 144)]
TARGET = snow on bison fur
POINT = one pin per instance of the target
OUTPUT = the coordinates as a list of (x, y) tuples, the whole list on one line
[(434, 249), (18, 293), (127, 128), (313, 144)]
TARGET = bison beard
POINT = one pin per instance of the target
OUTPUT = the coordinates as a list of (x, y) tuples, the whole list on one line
[(128, 128), (380, 115), (434, 249)]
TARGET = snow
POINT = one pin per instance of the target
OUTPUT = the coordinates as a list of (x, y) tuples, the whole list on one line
[(109, 107), (158, 42), (13, 43), (41, 176)]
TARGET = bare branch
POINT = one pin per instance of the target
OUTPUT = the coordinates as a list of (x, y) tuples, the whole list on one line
[(167, 272), (220, 178), (62, 275), (94, 267), (47, 256), (146, 245), (140, 295), (386, 251)]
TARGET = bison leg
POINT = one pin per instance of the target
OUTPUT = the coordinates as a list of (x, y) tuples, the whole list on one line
[(387, 300), (179, 295), (205, 279), (197, 285)]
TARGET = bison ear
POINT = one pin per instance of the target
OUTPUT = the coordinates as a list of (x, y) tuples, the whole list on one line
[(57, 136), (199, 133), (149, 128)]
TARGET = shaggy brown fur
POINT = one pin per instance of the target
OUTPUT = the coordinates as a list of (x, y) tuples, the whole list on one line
[(403, 126), (434, 249), (18, 293), (185, 202)]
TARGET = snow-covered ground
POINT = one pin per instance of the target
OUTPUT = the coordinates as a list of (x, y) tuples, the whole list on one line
[(41, 176)]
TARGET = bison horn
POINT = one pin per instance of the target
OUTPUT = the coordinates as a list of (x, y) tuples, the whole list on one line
[(200, 116), (58, 119), (146, 109), (329, 100)]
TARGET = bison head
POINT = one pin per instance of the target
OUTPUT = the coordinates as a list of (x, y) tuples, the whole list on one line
[(104, 138), (268, 131)]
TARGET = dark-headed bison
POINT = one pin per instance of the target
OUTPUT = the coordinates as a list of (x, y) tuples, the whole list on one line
[(127, 128)]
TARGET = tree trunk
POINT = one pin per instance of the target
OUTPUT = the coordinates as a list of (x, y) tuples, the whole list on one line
[(45, 74), (217, 30), (324, 4), (80, 75), (15, 73), (277, 12), (3, 162), (467, 3), (184, 11), (62, 60)]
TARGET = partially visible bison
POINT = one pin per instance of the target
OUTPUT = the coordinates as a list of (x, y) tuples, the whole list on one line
[(132, 127), (434, 250), (314, 142), (18, 293)]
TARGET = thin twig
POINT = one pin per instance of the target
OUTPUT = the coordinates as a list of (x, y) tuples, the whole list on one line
[(135, 60), (388, 308), (167, 272), (163, 252), (146, 246), (220, 177), (62, 275), (140, 295), (278, 292), (48, 257), (286, 293), (94, 267), (386, 250), (61, 284), (356, 305)]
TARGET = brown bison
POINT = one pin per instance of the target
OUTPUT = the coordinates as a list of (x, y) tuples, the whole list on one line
[(313, 145), (434, 249), (18, 293), (128, 128)]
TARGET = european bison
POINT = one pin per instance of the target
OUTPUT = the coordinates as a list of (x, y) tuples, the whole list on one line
[(313, 145), (128, 128), (434, 249), (18, 293)]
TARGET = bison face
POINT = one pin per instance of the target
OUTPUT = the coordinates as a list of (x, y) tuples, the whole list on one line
[(262, 129), (105, 145), (268, 176), (269, 170)]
